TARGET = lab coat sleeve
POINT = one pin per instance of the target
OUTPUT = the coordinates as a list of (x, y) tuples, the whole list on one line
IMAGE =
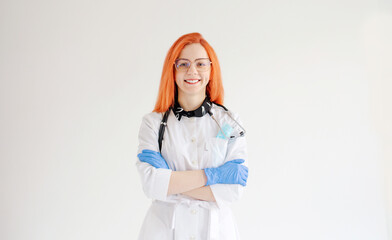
[(228, 193), (155, 181)]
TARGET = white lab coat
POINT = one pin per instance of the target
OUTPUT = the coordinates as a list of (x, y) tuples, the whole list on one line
[(189, 144)]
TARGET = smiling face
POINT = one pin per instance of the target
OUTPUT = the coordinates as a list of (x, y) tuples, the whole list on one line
[(192, 82)]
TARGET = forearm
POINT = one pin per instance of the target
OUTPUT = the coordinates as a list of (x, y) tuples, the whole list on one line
[(185, 181), (202, 193)]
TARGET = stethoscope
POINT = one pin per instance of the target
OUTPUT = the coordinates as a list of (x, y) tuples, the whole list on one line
[(231, 137)]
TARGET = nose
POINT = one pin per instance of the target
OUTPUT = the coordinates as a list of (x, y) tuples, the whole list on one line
[(192, 69)]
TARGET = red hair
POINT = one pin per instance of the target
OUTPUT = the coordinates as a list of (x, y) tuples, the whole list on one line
[(167, 87)]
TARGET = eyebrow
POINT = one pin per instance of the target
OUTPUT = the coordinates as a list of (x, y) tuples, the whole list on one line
[(190, 60)]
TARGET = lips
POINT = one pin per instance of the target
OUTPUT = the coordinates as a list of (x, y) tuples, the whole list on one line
[(192, 81)]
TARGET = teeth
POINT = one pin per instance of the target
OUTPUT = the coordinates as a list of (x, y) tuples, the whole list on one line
[(191, 81)]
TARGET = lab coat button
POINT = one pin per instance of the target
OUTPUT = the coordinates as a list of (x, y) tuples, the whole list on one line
[(192, 238), (193, 139), (193, 211), (194, 162)]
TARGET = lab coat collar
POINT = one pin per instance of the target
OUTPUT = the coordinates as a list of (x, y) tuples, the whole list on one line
[(199, 112)]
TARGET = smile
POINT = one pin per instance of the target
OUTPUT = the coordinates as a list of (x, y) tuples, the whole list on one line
[(192, 81)]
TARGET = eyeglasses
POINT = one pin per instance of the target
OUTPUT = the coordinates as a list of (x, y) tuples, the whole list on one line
[(202, 64)]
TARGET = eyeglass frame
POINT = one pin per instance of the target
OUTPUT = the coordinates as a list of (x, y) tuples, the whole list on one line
[(175, 65)]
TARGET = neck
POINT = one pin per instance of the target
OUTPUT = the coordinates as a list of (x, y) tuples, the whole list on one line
[(191, 102)]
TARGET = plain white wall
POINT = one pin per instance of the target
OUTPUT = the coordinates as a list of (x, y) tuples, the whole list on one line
[(310, 79)]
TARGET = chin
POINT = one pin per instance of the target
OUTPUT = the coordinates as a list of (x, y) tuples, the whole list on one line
[(194, 91)]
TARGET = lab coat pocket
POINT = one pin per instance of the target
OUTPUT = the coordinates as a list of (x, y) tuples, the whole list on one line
[(215, 151)]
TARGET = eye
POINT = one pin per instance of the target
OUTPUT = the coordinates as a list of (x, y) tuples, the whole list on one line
[(183, 64)]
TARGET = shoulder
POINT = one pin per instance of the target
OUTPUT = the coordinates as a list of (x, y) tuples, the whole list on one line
[(152, 119), (153, 116), (223, 111)]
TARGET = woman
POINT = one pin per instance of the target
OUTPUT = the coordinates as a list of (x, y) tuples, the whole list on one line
[(193, 164)]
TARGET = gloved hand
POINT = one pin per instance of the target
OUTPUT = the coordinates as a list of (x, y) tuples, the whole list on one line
[(155, 159), (232, 172)]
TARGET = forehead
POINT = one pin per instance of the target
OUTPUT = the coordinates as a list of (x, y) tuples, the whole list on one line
[(193, 51)]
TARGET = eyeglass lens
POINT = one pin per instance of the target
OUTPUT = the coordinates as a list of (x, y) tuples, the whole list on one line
[(200, 64)]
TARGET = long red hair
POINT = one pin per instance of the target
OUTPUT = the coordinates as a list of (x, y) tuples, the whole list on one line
[(167, 87)]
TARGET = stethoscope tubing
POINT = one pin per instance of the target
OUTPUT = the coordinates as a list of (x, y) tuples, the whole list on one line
[(166, 115), (242, 133)]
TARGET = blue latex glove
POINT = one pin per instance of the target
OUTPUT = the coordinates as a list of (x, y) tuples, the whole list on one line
[(153, 158), (232, 172)]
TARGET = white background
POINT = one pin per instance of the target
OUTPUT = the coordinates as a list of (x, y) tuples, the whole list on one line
[(311, 81)]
